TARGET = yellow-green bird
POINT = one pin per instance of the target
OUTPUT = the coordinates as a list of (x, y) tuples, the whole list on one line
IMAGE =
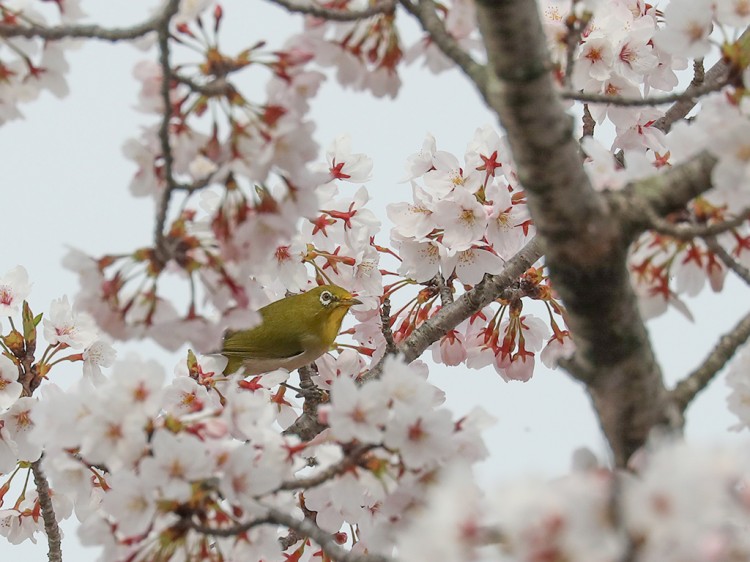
[(294, 332)]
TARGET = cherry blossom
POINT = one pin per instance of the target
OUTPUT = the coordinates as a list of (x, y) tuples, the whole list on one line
[(10, 388), (14, 288), (357, 413)]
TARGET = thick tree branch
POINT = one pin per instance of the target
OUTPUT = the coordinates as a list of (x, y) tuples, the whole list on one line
[(687, 389), (382, 7), (51, 527), (585, 246)]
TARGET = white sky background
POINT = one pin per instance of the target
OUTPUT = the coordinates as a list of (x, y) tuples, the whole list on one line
[(65, 183)]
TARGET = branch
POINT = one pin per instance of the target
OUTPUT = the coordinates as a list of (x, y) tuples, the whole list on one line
[(741, 271), (327, 542), (216, 87), (690, 95), (304, 528), (51, 527), (584, 241), (687, 389), (425, 11), (661, 194), (81, 31), (718, 73), (588, 122), (385, 326), (446, 292), (471, 302), (232, 531), (349, 461), (307, 425), (381, 7), (163, 30), (688, 231)]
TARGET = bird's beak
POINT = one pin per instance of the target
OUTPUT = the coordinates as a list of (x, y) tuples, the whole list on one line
[(351, 302)]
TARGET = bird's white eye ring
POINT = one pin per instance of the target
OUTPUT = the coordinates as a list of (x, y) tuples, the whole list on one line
[(325, 298)]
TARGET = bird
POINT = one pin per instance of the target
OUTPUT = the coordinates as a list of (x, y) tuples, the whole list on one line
[(293, 332)]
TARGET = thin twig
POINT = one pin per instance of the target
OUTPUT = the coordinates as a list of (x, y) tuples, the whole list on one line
[(217, 87), (576, 27), (687, 389), (690, 94), (326, 540), (304, 527), (163, 207), (739, 269), (687, 231), (48, 513), (81, 31), (307, 425), (717, 74), (349, 461), (382, 7), (232, 531)]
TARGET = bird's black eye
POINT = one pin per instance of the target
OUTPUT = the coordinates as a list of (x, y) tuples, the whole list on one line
[(325, 298)]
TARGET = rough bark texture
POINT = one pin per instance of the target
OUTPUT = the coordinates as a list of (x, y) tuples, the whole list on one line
[(585, 242)]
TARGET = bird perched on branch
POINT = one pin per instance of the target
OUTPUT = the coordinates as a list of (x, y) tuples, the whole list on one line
[(294, 332)]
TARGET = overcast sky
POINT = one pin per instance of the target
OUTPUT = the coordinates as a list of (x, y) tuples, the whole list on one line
[(66, 185)]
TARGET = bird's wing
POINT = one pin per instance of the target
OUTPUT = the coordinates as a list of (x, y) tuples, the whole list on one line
[(283, 344)]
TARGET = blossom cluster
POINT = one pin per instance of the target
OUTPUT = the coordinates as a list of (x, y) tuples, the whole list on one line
[(464, 221), (30, 66), (631, 50), (152, 466), (594, 513)]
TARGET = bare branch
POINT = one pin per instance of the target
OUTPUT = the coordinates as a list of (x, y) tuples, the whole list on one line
[(381, 7), (687, 389), (662, 194), (327, 542), (689, 95), (303, 527), (588, 122), (81, 31), (741, 271), (717, 74), (385, 322), (163, 207), (232, 531), (425, 11), (687, 231), (307, 425), (217, 87), (349, 461), (51, 527)]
